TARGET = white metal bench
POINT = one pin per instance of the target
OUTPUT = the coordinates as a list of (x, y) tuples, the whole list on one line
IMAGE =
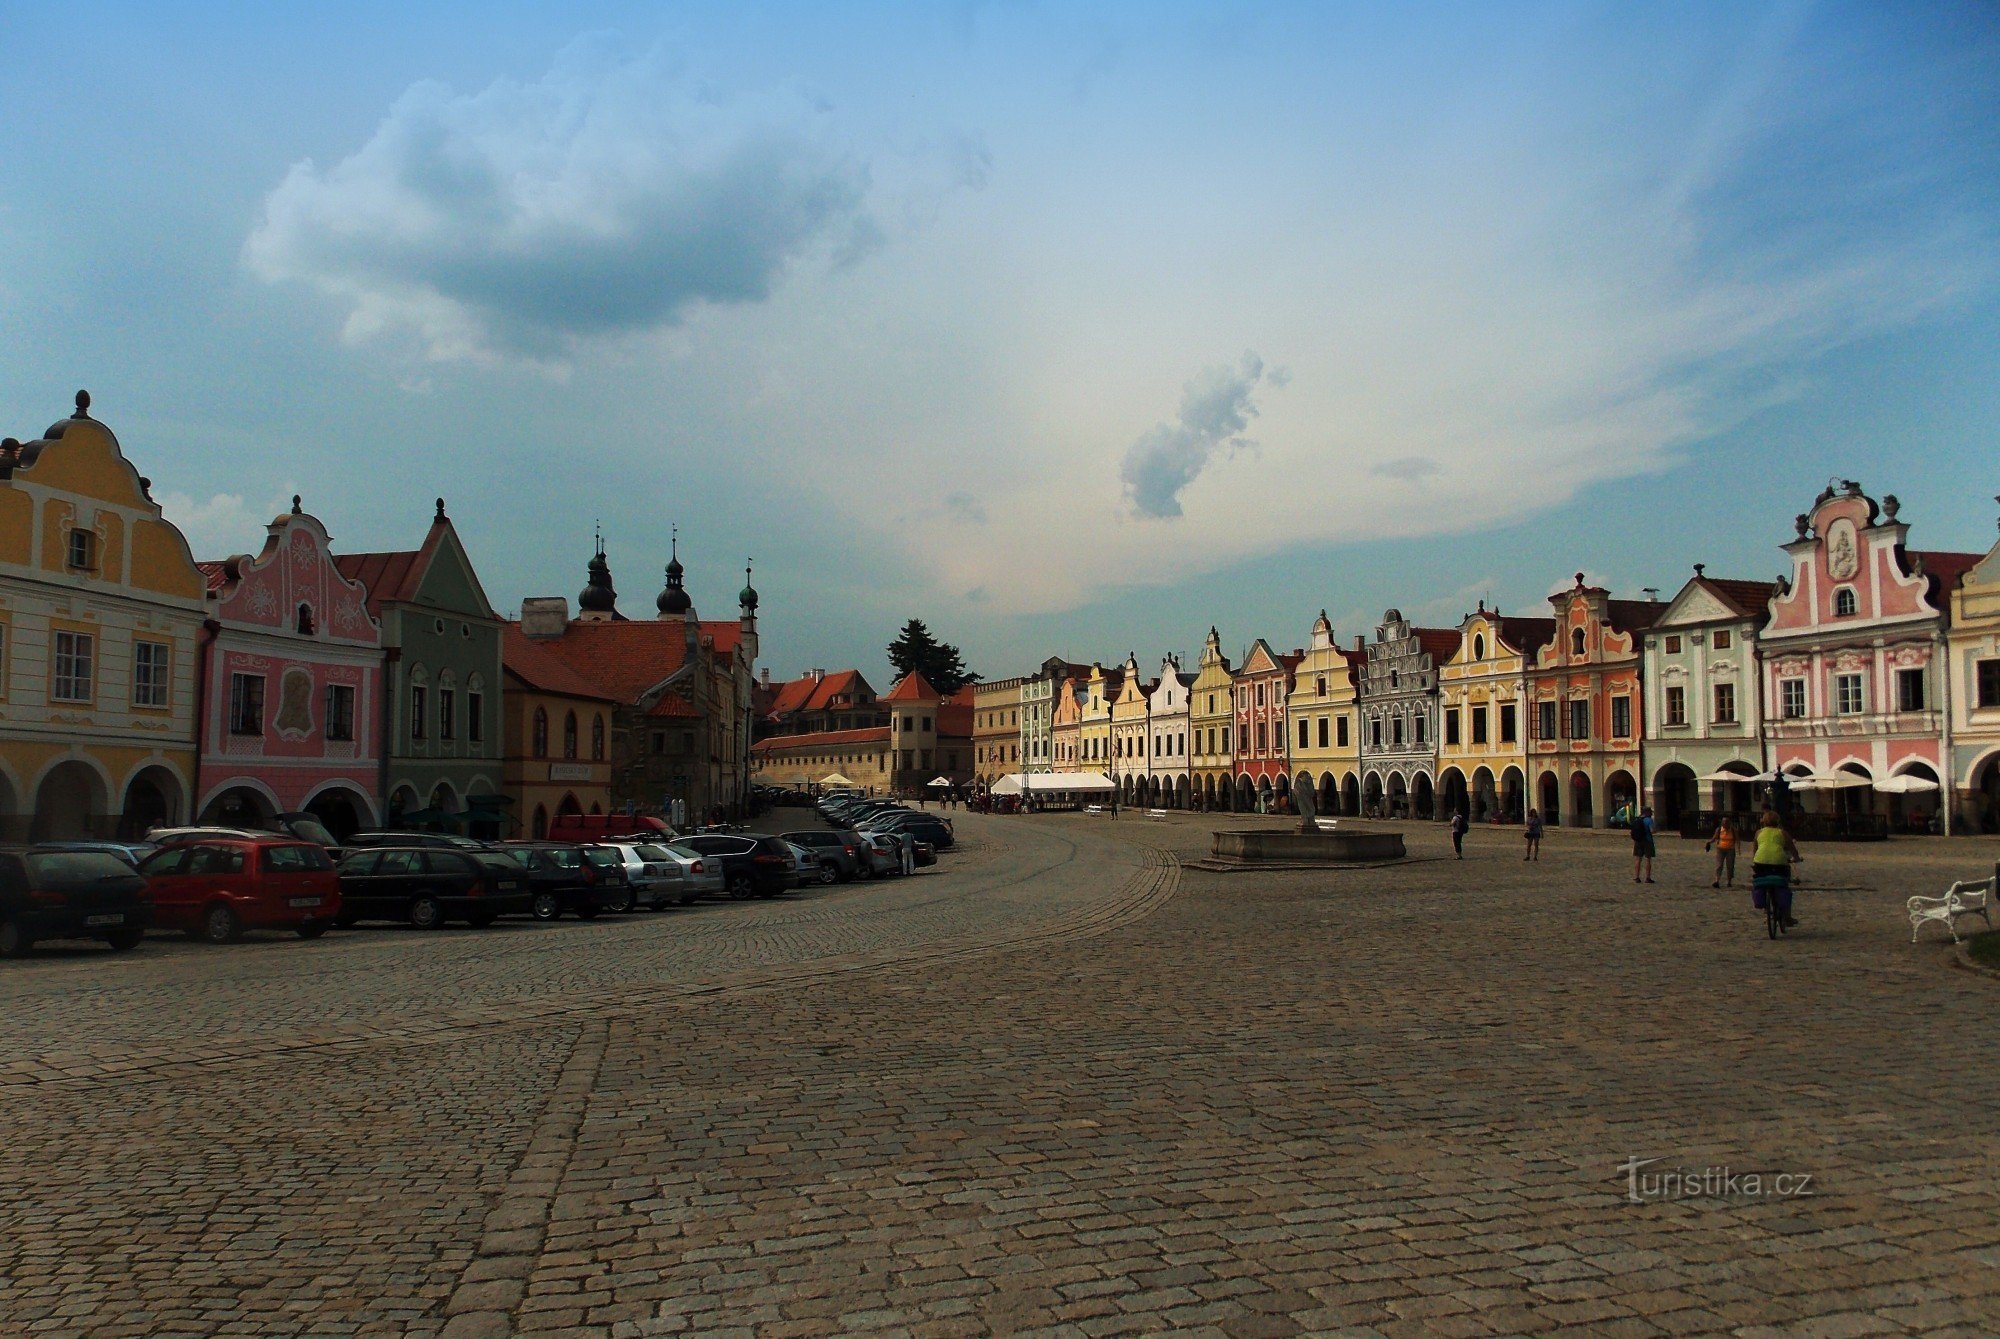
[(1326, 824), (1157, 815), (1964, 898), (1093, 809)]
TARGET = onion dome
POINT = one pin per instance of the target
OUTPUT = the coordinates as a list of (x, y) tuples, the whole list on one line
[(674, 599), (747, 597), (598, 597)]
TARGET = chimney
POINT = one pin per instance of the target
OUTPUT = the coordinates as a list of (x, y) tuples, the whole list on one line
[(816, 674), (764, 675), (544, 616)]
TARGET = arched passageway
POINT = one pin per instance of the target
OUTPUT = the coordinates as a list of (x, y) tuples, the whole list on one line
[(1621, 798), (71, 804), (1513, 796), (1350, 796), (1676, 796), (341, 811), (152, 800), (1485, 796), (239, 807), (1455, 793), (1423, 796), (1579, 801), (1374, 796), (1548, 798)]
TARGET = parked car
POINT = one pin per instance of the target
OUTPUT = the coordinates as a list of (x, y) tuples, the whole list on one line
[(753, 865), (652, 876), (428, 886), (903, 846), (301, 825), (447, 840), (56, 894), (130, 852), (883, 853), (925, 853), (928, 826), (809, 868), (218, 887), (701, 875), (559, 879), (589, 828), (840, 850)]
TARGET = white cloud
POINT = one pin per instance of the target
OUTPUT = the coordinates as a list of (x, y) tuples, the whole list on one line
[(222, 524), (605, 198)]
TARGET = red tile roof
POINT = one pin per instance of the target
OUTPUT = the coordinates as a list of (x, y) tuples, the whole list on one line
[(622, 658), (1944, 569), (822, 739), (530, 661), (1634, 615), (840, 683), (1442, 643), (913, 687), (673, 704), (791, 696), (1528, 635), (1747, 598), (391, 576)]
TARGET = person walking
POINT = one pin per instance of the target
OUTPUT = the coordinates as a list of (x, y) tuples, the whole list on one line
[(1533, 832), (1723, 839), (1458, 827), (1642, 845), (1773, 857)]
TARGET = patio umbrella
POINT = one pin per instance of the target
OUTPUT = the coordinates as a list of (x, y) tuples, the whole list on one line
[(938, 781), (834, 779), (1905, 785), (1743, 777), (1831, 781)]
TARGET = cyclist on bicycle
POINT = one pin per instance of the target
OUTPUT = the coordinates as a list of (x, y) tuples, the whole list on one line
[(1773, 858)]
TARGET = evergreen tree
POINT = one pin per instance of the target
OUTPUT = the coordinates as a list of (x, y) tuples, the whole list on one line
[(939, 662)]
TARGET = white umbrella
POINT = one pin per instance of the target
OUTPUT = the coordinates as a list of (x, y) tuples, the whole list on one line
[(1831, 781), (834, 779), (1905, 785), (938, 781), (1734, 776)]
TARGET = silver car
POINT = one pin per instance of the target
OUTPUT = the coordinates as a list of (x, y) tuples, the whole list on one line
[(655, 877), (701, 875)]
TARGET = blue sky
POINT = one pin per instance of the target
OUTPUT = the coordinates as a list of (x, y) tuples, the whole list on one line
[(1068, 329)]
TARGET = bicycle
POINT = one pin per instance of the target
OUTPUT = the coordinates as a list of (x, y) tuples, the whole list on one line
[(1775, 892)]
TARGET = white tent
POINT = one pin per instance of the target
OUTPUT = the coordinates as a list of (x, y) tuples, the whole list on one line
[(834, 779), (1052, 783), (938, 781)]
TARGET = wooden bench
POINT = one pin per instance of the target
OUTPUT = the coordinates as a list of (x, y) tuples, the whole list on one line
[(1964, 898), (1157, 815)]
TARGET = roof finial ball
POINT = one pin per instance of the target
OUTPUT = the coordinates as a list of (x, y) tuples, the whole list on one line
[(82, 404), (1891, 504), (748, 596), (440, 511), (296, 508), (1699, 568)]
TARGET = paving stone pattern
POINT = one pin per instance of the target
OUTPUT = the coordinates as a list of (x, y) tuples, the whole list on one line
[(1059, 1086)]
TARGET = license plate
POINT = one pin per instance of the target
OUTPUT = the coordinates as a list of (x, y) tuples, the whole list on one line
[(103, 920), (510, 887), (305, 901)]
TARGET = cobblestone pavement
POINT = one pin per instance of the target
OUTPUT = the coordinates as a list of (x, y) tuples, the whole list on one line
[(1061, 1085)]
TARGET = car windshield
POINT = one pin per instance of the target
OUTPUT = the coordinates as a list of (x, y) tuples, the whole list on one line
[(312, 830), (76, 869), (684, 852)]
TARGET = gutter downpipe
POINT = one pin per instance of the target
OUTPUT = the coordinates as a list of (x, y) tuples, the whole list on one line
[(209, 628), (390, 655)]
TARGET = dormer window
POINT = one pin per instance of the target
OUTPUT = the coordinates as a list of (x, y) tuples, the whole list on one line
[(81, 554), (1576, 641), (305, 620), (1844, 603)]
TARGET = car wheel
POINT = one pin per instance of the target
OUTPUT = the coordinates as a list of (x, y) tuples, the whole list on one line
[(123, 941), (625, 903), (314, 929), (220, 925), (546, 907), (827, 875), (426, 912), (13, 944), (479, 920), (741, 886)]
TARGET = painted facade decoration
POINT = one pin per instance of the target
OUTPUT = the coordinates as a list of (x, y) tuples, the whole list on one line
[(1212, 727), (1587, 719), (1168, 729), (1324, 724), (1263, 769), (1131, 735), (1483, 716), (101, 610), (1066, 726), (292, 700), (1100, 689), (1038, 705), (1704, 713), (1853, 659), (1399, 706), (996, 730), (1974, 648)]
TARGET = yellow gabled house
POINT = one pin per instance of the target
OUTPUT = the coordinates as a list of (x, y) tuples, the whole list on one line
[(101, 610)]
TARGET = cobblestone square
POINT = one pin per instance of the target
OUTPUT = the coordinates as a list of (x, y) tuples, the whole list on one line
[(1059, 1084)]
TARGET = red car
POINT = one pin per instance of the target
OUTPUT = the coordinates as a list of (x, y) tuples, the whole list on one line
[(218, 887)]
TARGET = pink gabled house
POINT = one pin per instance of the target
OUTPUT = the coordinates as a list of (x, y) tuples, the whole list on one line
[(1853, 660), (291, 690)]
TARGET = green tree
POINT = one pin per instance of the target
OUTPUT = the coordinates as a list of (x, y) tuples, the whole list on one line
[(939, 662)]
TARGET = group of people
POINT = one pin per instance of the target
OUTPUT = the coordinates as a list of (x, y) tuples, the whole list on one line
[(1773, 854)]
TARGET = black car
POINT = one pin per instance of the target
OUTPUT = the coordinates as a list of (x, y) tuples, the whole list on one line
[(559, 878), (70, 895), (428, 886), (842, 850), (931, 828), (753, 865)]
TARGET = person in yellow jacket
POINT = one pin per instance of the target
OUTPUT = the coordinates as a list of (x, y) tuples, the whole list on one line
[(1773, 857)]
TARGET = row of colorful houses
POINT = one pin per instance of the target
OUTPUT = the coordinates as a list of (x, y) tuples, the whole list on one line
[(1862, 688), (140, 687)]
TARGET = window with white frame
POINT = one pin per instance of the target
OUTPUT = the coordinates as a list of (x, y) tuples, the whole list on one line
[(1677, 705), (1844, 603), (80, 554), (149, 673), (1792, 699), (340, 712), (1723, 639), (1847, 696), (74, 679), (246, 704), (1621, 717), (1910, 692), (1725, 703)]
